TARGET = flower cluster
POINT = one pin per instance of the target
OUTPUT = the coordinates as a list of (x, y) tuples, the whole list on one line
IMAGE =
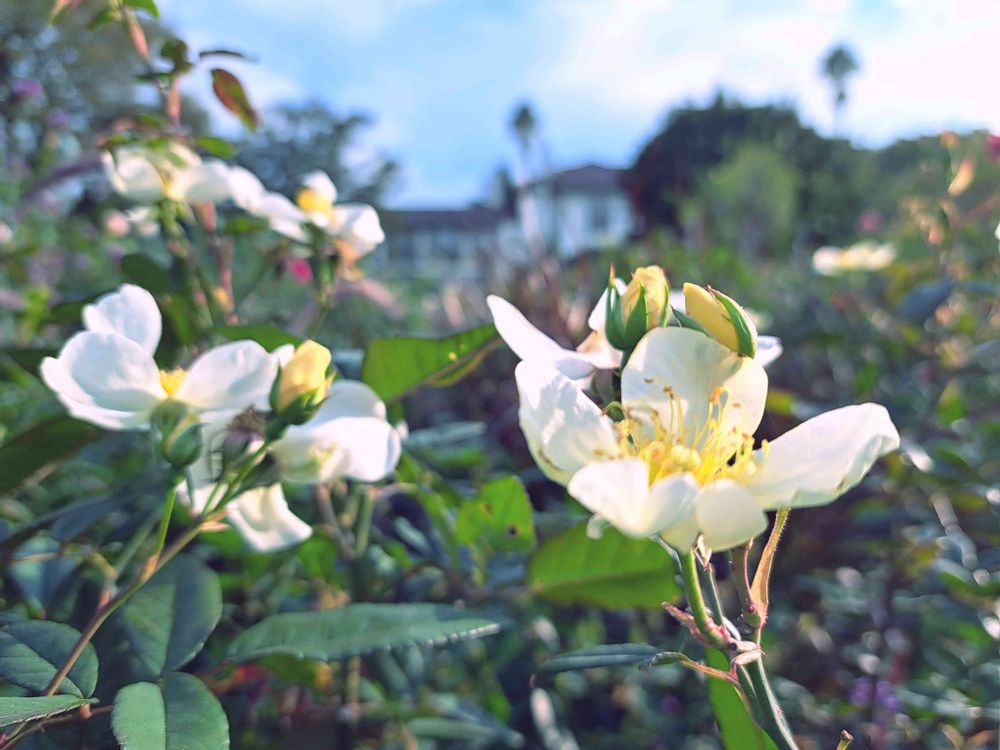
[(237, 410), (173, 172), (675, 456)]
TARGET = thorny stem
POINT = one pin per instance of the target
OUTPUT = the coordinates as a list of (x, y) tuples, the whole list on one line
[(752, 677), (696, 601), (777, 726)]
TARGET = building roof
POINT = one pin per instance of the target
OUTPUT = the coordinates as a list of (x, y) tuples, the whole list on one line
[(588, 178), (471, 219)]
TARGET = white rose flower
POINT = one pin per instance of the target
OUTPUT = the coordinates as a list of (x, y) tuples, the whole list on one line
[(106, 374), (145, 175), (682, 462)]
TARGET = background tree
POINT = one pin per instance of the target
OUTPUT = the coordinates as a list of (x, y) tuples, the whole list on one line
[(295, 139), (66, 78), (838, 65)]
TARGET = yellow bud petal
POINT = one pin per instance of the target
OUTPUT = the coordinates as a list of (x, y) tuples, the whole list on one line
[(708, 312), (313, 202), (304, 375), (653, 281)]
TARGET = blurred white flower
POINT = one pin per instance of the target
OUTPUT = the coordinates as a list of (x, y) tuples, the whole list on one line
[(6, 233), (682, 462), (863, 256), (349, 436), (106, 374), (146, 175), (354, 227)]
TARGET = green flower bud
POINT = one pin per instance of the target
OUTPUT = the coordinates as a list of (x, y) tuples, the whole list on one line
[(642, 307)]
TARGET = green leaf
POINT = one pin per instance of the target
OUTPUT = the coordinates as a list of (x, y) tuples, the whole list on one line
[(214, 146), (612, 571), (230, 92), (182, 715), (739, 730), (48, 442), (43, 578), (610, 655), (358, 629), (31, 653), (30, 358), (499, 518), (168, 620), (20, 710), (147, 5), (395, 367), (267, 335), (147, 273)]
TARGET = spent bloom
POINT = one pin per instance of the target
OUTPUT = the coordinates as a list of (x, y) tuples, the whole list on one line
[(863, 256), (348, 437), (682, 461), (106, 374)]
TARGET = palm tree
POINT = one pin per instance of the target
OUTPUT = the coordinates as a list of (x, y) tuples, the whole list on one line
[(838, 65)]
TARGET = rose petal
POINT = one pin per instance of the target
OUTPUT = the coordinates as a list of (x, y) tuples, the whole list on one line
[(564, 429), (822, 458), (691, 367), (528, 342), (728, 515), (262, 518), (106, 379), (619, 492), (131, 312), (229, 378)]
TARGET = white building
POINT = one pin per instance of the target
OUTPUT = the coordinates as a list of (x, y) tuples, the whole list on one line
[(568, 213)]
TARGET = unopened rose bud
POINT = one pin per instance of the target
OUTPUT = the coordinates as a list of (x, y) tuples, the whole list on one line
[(721, 318), (302, 383), (642, 307)]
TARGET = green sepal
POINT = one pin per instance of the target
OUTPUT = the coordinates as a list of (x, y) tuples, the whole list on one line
[(745, 334), (179, 429), (686, 321)]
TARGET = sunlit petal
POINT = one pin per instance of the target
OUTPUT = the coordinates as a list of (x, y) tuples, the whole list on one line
[(106, 379), (262, 518), (131, 312), (679, 370), (823, 457), (728, 515), (229, 378), (564, 429)]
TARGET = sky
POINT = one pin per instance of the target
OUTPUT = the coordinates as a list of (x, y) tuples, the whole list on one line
[(441, 78)]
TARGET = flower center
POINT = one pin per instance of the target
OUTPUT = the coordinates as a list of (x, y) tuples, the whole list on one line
[(313, 202), (710, 452), (171, 380)]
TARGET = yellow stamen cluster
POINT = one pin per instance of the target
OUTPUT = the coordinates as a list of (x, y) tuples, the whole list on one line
[(313, 202), (171, 380), (709, 452)]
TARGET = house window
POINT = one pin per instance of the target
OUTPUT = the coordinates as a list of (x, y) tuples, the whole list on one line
[(599, 215)]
